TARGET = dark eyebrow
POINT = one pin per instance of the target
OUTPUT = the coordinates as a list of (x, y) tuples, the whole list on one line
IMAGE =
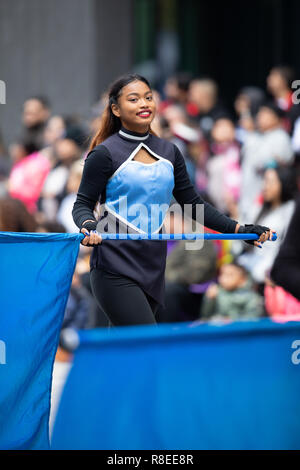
[(132, 93)]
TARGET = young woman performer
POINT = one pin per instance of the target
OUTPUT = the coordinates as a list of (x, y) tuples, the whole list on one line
[(126, 159)]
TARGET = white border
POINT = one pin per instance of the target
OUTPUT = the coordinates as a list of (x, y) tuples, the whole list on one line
[(126, 222), (132, 155), (129, 224), (133, 137)]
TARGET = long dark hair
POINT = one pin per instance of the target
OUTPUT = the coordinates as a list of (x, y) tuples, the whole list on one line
[(109, 122), (286, 176)]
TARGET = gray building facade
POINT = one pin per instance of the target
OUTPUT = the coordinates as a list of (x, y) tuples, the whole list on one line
[(68, 50)]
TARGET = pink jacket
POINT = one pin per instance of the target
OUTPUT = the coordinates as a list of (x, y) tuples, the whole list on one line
[(27, 178), (281, 305)]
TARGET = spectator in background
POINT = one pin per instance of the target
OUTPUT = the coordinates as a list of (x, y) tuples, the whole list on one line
[(36, 112), (246, 105), (271, 144), (175, 127), (198, 154), (64, 214), (233, 298), (223, 167), (67, 151), (156, 123), (54, 131), (76, 132), (279, 83), (203, 93), (176, 91), (28, 173), (14, 217), (279, 189), (171, 116)]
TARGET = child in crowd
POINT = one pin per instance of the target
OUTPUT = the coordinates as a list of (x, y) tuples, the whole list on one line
[(233, 298)]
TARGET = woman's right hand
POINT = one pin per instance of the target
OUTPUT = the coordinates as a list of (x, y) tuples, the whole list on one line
[(92, 237)]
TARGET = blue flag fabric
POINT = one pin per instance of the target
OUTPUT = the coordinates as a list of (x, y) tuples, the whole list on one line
[(36, 271), (183, 386)]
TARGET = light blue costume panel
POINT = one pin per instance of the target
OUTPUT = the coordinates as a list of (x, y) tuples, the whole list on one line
[(139, 194)]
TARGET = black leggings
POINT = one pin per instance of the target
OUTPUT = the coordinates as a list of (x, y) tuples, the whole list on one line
[(122, 300)]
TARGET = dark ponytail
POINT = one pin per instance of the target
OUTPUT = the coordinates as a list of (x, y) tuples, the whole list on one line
[(110, 123)]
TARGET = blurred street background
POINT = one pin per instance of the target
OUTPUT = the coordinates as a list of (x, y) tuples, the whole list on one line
[(225, 82)]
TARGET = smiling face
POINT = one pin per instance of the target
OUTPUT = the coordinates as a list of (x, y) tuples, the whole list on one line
[(136, 107)]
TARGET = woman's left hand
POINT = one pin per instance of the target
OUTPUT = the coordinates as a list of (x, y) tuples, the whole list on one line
[(268, 235), (264, 233)]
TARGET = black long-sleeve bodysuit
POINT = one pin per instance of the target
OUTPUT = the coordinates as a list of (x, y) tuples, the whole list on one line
[(286, 268), (141, 260)]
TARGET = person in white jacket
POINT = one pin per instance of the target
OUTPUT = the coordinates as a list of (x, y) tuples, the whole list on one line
[(271, 144), (279, 189)]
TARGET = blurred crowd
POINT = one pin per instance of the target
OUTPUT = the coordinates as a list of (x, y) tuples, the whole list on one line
[(243, 159)]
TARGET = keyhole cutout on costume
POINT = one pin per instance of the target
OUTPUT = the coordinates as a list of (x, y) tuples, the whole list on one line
[(144, 156)]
